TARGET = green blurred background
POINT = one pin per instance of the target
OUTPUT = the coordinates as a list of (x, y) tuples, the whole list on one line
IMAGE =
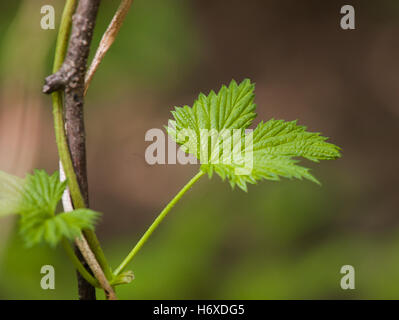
[(280, 240)]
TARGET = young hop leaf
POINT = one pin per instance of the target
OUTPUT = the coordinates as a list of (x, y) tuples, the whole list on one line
[(213, 130), (35, 198), (42, 192), (40, 227)]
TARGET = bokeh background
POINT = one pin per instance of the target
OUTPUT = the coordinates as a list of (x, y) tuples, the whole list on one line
[(280, 240)]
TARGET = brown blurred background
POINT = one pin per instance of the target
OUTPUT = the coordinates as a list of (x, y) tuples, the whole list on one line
[(280, 240)]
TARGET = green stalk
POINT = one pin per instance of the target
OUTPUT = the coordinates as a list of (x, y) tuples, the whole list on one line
[(156, 222), (78, 265), (61, 140), (63, 34)]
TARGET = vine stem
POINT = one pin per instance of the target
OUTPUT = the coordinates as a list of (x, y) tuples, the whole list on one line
[(156, 223), (85, 249), (88, 254), (61, 140), (78, 265)]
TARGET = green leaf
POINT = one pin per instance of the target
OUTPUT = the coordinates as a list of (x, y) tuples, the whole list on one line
[(36, 199), (38, 222), (40, 227), (231, 108), (214, 131), (280, 138), (42, 193), (11, 193)]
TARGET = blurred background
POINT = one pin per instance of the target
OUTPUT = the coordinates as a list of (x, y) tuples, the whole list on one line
[(280, 240)]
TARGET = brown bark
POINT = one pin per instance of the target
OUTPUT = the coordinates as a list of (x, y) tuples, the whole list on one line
[(71, 78)]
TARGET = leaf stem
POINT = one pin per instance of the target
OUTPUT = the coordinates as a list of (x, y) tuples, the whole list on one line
[(61, 140), (78, 265), (156, 222)]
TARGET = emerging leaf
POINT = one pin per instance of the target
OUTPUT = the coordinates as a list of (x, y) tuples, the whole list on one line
[(42, 192), (36, 199), (38, 228), (214, 131), (123, 278)]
